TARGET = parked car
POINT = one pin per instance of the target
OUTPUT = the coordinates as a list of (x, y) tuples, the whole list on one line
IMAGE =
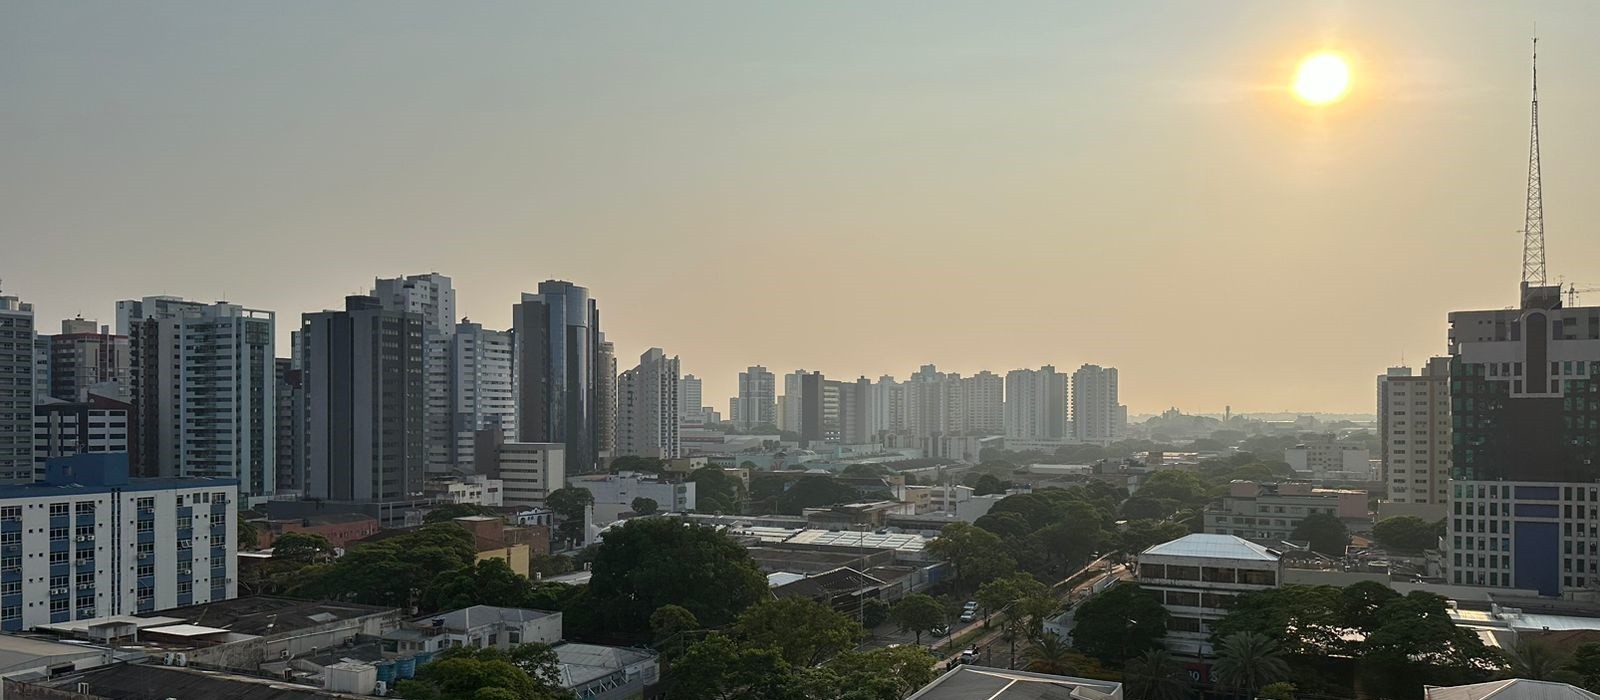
[(970, 606), (969, 656), (969, 616), (940, 630)]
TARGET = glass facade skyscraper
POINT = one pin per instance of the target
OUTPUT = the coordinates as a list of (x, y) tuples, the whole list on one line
[(555, 369)]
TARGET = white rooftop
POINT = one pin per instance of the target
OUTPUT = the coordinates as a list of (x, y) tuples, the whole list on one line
[(186, 630), (780, 578), (1511, 689), (1208, 546)]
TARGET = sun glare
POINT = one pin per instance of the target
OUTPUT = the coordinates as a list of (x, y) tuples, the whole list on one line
[(1323, 78)]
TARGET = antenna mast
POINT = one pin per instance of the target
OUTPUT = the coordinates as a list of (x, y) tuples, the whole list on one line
[(1533, 226)]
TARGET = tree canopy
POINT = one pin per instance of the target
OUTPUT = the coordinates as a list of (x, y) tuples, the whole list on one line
[(1325, 532), (1120, 623), (804, 632), (715, 491), (396, 571), (813, 491), (1407, 533), (529, 672), (647, 563)]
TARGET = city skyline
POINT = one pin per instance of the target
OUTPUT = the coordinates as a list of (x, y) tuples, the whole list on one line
[(1003, 186)]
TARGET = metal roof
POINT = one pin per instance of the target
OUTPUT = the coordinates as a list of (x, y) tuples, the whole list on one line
[(1511, 689), (1208, 546)]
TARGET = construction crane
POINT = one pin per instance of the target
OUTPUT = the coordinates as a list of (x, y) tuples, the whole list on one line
[(1573, 290)]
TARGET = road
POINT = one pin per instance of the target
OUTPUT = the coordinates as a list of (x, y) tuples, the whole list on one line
[(995, 651)]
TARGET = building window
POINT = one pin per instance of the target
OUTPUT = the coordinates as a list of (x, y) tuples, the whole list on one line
[(59, 509)]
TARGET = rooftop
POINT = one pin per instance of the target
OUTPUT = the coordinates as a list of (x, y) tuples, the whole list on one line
[(840, 580), (483, 615), (1208, 546), (263, 615), (1510, 689), (968, 682), (19, 653), (152, 682), (585, 663)]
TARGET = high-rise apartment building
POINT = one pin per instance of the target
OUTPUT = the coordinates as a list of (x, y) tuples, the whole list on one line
[(290, 404), (647, 408), (690, 410), (16, 402), (137, 319), (983, 404), (98, 424), (789, 408), (886, 407), (88, 356), (364, 402), (757, 402), (103, 544), (1096, 415), (1525, 436), (1414, 433), (834, 411), (476, 369), (928, 403), (431, 296), (605, 395), (209, 389), (43, 384), (555, 371), (1036, 404)]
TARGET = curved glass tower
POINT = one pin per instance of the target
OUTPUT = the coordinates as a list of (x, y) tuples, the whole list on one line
[(555, 370)]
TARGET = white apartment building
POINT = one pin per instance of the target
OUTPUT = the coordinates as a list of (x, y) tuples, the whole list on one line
[(886, 407), (788, 414), (756, 403), (1326, 456), (1414, 433), (983, 404), (647, 408), (475, 489), (528, 471), (690, 410), (431, 295), (614, 493), (1197, 576), (66, 428), (210, 374), (16, 390), (1096, 415), (469, 372), (103, 544), (1036, 404)]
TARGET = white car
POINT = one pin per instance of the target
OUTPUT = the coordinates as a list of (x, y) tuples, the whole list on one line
[(969, 616)]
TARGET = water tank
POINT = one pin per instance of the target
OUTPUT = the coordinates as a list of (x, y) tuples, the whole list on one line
[(406, 668), (385, 671)]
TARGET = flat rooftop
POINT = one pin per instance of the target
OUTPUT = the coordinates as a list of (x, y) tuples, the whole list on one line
[(968, 682), (263, 615), (153, 682), (1209, 546)]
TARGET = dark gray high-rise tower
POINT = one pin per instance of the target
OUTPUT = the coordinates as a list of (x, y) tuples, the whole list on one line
[(555, 369), (364, 402)]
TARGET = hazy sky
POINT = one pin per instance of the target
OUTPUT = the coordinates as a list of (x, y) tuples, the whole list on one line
[(855, 187)]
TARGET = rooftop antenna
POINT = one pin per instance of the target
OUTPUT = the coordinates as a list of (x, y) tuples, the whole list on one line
[(1533, 227)]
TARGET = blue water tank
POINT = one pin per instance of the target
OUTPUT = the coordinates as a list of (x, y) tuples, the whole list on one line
[(386, 671), (406, 668)]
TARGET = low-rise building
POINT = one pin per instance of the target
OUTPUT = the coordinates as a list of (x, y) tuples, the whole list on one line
[(339, 529), (1325, 456), (474, 489), (595, 672), (1197, 576), (1271, 512), (614, 493), (478, 627), (528, 471), (99, 543)]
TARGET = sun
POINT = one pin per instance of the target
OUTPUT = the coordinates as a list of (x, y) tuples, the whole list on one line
[(1323, 78)]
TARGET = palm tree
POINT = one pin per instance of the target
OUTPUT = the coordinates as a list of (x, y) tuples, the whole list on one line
[(1249, 660), (1537, 662), (1155, 675), (1049, 654)]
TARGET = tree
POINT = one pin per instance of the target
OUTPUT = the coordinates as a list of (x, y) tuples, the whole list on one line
[(803, 631), (1008, 526), (644, 506), (1001, 593), (1282, 690), (392, 572), (1406, 533), (1247, 661), (480, 674), (1417, 630), (1361, 605), (671, 620), (1325, 532), (1585, 662), (1119, 623), (990, 484), (715, 491), (715, 668), (451, 511), (638, 464), (814, 491), (880, 674), (646, 563), (1305, 620), (1139, 535), (301, 548), (1049, 654), (246, 535), (1155, 675), (917, 613), (570, 503), (488, 582), (975, 553), (1537, 662), (865, 470), (874, 612)]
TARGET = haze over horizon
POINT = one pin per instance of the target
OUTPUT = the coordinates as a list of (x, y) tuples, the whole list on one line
[(856, 189)]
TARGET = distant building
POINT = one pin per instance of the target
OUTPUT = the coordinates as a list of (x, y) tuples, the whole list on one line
[(605, 372), (1324, 456), (66, 428), (86, 355), (290, 405), (528, 471), (104, 544), (614, 493), (1036, 404), (138, 320), (983, 404), (1271, 512), (756, 403), (1196, 577), (364, 402), (556, 371), (340, 529), (473, 367), (690, 409), (647, 408), (475, 489), (1414, 434), (16, 404), (1097, 416), (789, 408)]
